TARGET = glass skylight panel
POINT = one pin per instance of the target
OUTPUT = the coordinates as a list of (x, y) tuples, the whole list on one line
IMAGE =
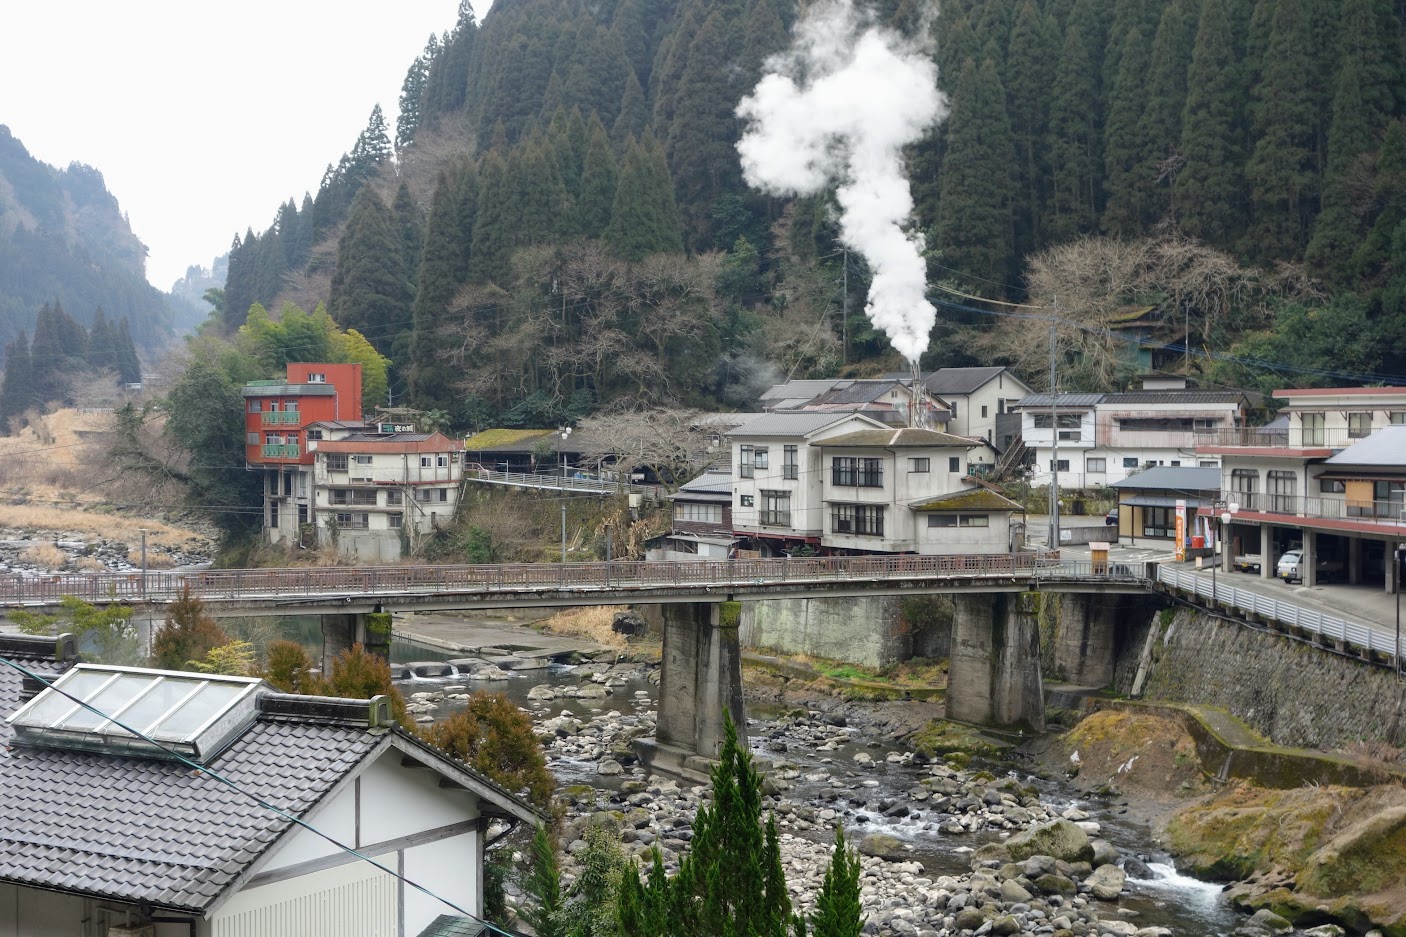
[(195, 715)]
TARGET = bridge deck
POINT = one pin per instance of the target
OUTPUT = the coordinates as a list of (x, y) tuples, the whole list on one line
[(291, 590)]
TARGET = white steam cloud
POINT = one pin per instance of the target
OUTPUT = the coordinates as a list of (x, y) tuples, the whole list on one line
[(839, 106)]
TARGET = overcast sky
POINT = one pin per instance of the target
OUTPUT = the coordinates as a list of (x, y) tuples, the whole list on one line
[(203, 117)]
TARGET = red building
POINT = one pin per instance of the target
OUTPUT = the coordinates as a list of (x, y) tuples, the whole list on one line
[(277, 414)]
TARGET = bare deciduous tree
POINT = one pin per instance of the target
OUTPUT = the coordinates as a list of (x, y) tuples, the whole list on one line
[(677, 444)]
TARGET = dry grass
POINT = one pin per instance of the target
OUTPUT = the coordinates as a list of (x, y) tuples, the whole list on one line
[(111, 526), (46, 555), (592, 622), (154, 560), (89, 565)]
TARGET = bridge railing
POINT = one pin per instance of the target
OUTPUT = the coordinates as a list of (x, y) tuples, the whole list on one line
[(1351, 634), (234, 584)]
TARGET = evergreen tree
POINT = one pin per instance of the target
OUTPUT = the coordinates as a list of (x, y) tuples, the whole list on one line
[(47, 357), (441, 274), (412, 92), (269, 267), (837, 910), (1033, 46), (597, 190), (595, 74), (372, 148), (643, 218), (17, 392), (543, 887), (240, 285), (102, 344), (129, 366), (370, 289), (1280, 171), (494, 223), (405, 216), (1389, 191), (1128, 184), (1209, 189), (634, 115), (1159, 128), (447, 78), (541, 207), (974, 217), (1073, 141)]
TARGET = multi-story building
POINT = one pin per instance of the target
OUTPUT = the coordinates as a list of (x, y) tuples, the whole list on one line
[(848, 484), (888, 400), (1104, 438), (1329, 478), (702, 520), (976, 397)]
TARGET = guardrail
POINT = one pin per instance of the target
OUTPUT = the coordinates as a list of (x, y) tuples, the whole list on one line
[(1339, 508), (557, 481), (1350, 633), (233, 585)]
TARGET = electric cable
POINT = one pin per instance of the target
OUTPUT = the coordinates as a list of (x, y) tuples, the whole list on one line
[(278, 811)]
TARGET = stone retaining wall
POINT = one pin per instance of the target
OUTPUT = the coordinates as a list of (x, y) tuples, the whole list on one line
[(1292, 693), (872, 630)]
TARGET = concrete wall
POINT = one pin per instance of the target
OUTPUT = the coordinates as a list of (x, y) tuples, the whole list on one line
[(1289, 691), (870, 630), (994, 675)]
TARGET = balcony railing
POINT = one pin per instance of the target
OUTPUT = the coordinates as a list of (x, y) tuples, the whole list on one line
[(1295, 437), (263, 383), (282, 451), (289, 417), (1340, 508)]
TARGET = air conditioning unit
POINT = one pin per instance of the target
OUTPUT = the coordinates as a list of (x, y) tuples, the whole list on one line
[(132, 930)]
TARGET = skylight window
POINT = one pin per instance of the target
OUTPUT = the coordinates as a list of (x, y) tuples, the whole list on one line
[(195, 715)]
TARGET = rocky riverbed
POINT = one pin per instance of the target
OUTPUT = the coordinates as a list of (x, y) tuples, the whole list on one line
[(51, 552), (948, 848)]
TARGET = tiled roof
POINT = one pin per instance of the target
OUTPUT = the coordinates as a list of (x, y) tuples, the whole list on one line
[(804, 390), (1175, 396), (448, 925), (1065, 400), (1384, 448), (968, 499), (790, 424), (858, 392), (1173, 478), (907, 438), (960, 380)]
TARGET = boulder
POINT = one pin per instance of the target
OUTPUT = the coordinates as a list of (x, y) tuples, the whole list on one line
[(1061, 839), (881, 845), (1268, 920), (1104, 852), (1106, 882), (969, 919)]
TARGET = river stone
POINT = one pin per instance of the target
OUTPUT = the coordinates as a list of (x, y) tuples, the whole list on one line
[(1104, 852), (1118, 928), (1327, 930), (609, 767), (969, 919), (1061, 839), (881, 845), (1005, 926), (542, 692), (1054, 884), (592, 691), (1270, 921), (1012, 892), (1106, 882)]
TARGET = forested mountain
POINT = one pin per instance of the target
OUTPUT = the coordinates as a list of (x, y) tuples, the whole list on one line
[(64, 240), (561, 221)]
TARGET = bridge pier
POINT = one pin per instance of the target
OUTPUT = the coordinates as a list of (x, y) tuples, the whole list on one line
[(1086, 643), (993, 677), (700, 677), (372, 630)]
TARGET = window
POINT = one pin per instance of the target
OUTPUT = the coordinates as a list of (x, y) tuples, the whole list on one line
[(343, 496), (253, 439), (255, 406), (1312, 429), (866, 520), (424, 461), (361, 459), (442, 495), (920, 465), (314, 434), (759, 457), (1396, 417), (959, 520), (1130, 462), (954, 463), (746, 501), (1246, 481), (776, 508), (394, 497), (983, 412), (1063, 465), (1159, 425), (353, 521), (700, 513), (1331, 486), (441, 461), (1158, 522), (1282, 490), (273, 514), (426, 495), (857, 473), (1096, 466), (337, 462), (942, 520), (1359, 425), (302, 514), (1176, 462), (317, 378), (422, 494), (290, 406), (273, 406), (790, 468), (1066, 421), (395, 521), (744, 462)]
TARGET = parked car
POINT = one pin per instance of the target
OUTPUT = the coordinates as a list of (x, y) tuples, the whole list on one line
[(1247, 563), (1111, 518), (1290, 568)]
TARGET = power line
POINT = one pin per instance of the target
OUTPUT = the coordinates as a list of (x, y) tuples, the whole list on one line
[(278, 811)]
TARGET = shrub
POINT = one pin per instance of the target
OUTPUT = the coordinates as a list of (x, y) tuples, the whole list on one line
[(188, 634), (495, 738), (289, 668)]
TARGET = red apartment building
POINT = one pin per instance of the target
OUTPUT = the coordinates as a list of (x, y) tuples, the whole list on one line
[(277, 414)]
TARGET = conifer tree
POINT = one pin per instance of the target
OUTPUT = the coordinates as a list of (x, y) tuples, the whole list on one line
[(974, 217), (494, 223), (837, 911), (643, 217), (1128, 184), (1034, 46), (102, 344), (598, 177), (441, 274), (634, 115), (17, 392), (405, 216), (129, 366), (372, 148), (370, 289), (1280, 170), (1210, 188), (541, 207), (1389, 192), (240, 284), (47, 356), (412, 93), (269, 267), (543, 887), (1159, 128), (1073, 141), (447, 78)]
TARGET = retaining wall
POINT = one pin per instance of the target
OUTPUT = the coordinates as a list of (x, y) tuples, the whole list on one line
[(872, 630)]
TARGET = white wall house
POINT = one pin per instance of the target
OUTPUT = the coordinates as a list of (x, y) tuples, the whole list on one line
[(976, 396), (1104, 438), (98, 840), (846, 484)]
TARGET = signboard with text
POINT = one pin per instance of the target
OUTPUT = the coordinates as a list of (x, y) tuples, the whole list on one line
[(1180, 530), (397, 427)]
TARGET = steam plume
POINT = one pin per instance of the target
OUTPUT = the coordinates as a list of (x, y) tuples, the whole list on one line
[(839, 106)]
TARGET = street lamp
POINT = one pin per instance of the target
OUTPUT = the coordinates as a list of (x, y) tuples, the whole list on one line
[(563, 432)]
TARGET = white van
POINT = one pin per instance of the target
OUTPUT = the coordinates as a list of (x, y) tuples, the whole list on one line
[(1290, 568)]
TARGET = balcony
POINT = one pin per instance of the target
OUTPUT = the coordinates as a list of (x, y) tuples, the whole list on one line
[(1294, 438), (280, 417), (1386, 513), (282, 451)]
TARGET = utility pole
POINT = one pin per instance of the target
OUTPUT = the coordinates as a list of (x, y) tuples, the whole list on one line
[(1054, 431), (844, 308), (143, 562)]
